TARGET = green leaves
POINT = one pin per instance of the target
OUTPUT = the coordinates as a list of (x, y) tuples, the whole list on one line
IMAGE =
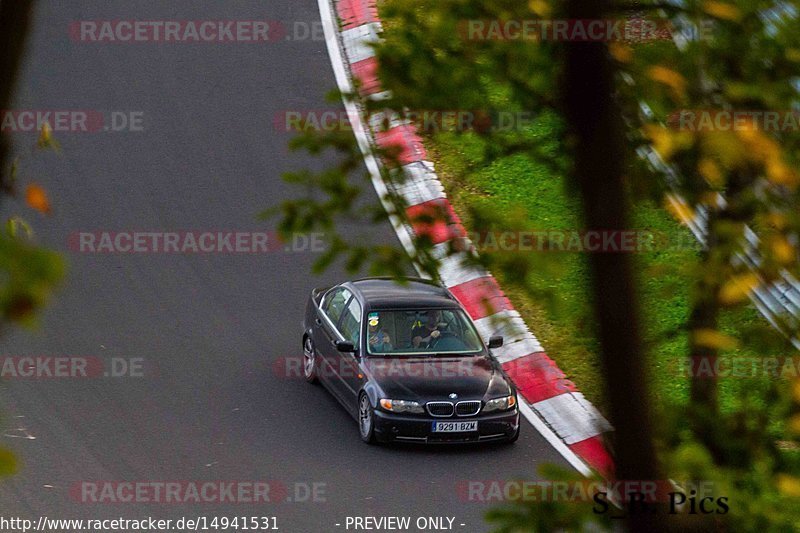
[(741, 55), (341, 195), (28, 277), (8, 463)]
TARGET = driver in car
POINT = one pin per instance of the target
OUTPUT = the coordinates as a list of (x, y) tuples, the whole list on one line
[(423, 334)]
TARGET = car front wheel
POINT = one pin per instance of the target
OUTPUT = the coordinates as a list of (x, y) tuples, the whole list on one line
[(366, 425), (309, 361)]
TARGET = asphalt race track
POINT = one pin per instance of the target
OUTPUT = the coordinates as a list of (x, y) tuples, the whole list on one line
[(212, 403)]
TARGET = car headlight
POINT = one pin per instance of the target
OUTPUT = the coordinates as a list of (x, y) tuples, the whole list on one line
[(500, 404), (401, 406)]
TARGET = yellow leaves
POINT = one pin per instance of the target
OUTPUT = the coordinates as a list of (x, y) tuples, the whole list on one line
[(679, 209), (764, 149), (763, 146), (780, 173), (726, 149), (16, 224), (722, 10), (738, 288), (730, 143), (783, 252), (621, 52), (46, 139), (748, 131), (666, 142), (36, 198), (711, 172), (668, 77), (540, 7), (35, 195), (788, 485), (776, 220), (793, 425), (661, 139), (709, 198), (711, 338), (792, 54), (45, 136), (741, 147)]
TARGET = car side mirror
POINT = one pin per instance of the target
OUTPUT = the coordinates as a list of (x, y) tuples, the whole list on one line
[(345, 346), (495, 341)]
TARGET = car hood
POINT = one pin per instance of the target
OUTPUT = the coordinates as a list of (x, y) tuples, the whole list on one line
[(432, 378)]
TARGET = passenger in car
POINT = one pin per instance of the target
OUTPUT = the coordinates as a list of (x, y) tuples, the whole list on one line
[(378, 339)]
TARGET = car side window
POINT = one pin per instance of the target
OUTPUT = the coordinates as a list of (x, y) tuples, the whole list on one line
[(351, 322), (334, 303)]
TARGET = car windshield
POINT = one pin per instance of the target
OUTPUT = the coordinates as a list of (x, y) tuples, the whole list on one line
[(420, 332)]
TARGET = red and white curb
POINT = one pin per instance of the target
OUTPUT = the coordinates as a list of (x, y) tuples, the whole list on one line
[(552, 402)]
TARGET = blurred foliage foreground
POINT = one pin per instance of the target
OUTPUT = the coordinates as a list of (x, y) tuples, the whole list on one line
[(28, 273), (717, 57)]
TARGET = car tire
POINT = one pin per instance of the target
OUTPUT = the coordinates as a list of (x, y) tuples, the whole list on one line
[(310, 369), (515, 436), (366, 421)]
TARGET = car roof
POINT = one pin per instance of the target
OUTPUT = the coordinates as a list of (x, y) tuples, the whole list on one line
[(415, 293)]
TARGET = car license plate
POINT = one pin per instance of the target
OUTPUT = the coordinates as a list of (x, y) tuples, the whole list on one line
[(454, 427)]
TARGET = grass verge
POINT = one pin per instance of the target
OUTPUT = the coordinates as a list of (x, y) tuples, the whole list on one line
[(557, 309)]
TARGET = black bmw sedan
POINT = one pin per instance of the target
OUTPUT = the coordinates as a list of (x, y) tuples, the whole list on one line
[(407, 363)]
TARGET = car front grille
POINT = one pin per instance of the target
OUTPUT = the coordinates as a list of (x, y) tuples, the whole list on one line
[(444, 409), (468, 408), (440, 409)]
